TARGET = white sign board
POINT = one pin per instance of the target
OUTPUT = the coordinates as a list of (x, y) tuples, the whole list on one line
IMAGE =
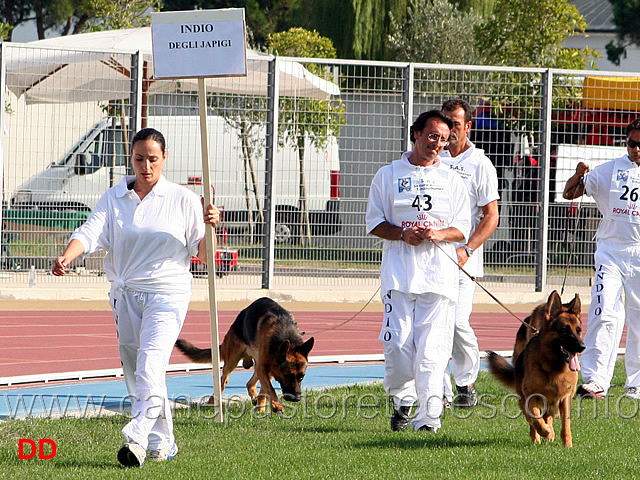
[(199, 43)]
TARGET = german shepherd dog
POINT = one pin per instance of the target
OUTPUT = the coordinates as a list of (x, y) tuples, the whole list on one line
[(266, 336), (538, 319), (546, 371)]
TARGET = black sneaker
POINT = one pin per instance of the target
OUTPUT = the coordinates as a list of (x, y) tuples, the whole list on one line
[(427, 428), (467, 397), (400, 419)]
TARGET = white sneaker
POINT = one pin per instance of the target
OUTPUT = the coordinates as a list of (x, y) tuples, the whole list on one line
[(633, 392), (131, 455), (163, 454), (590, 389)]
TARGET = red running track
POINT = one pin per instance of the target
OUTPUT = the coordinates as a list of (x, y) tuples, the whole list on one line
[(42, 342)]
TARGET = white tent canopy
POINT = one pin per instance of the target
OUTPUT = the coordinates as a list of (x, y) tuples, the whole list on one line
[(89, 66)]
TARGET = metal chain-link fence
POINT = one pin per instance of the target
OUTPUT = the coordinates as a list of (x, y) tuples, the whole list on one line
[(294, 147)]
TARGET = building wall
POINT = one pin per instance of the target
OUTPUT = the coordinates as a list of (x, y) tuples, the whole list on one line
[(598, 41)]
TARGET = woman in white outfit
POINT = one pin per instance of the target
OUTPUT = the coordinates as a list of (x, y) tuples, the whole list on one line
[(149, 228)]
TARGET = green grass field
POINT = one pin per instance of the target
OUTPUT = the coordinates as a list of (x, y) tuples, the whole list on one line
[(344, 434)]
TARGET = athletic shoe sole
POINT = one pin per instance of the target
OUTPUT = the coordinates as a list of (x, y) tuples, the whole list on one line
[(584, 393), (128, 458)]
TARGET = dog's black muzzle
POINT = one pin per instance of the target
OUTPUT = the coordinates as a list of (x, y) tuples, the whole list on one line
[(290, 394)]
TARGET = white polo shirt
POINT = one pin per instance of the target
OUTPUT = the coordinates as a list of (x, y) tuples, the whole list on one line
[(423, 268), (149, 242), (481, 179), (615, 185)]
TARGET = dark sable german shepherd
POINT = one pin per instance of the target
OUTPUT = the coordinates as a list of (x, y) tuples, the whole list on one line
[(264, 334), (546, 371)]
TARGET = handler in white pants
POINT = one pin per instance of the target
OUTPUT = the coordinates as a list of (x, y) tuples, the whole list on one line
[(419, 207), (417, 337), (480, 177), (148, 326), (465, 354), (614, 185), (150, 228), (617, 272)]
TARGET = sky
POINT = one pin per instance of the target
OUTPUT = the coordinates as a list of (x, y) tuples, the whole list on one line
[(25, 33)]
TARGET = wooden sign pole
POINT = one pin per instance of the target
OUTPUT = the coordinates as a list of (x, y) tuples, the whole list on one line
[(211, 255)]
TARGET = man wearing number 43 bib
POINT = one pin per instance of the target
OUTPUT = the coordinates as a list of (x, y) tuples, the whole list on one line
[(419, 207), (615, 186)]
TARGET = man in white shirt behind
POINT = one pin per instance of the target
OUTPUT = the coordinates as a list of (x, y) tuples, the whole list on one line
[(481, 180)]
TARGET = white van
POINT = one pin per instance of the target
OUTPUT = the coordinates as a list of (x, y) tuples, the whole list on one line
[(100, 158)]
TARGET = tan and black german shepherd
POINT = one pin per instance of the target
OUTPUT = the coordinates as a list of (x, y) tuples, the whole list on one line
[(266, 336), (546, 371), (538, 319)]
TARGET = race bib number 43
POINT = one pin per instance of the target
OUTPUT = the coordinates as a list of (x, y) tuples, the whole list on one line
[(421, 198)]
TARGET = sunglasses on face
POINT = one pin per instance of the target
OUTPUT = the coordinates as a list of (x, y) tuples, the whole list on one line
[(632, 143)]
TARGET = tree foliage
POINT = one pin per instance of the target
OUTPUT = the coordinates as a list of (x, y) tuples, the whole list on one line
[(484, 8), (5, 29), (434, 31), (117, 14), (529, 33), (305, 116), (625, 17), (66, 17), (13, 13), (263, 17), (298, 42), (305, 121), (358, 28)]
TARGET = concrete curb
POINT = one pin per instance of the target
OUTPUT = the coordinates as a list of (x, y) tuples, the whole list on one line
[(244, 290)]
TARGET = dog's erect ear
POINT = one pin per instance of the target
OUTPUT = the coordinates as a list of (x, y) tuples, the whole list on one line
[(575, 306), (305, 348), (554, 304), (282, 351)]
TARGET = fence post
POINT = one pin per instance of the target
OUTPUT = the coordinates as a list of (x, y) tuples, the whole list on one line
[(407, 103), (270, 177), (3, 82), (135, 98), (546, 106)]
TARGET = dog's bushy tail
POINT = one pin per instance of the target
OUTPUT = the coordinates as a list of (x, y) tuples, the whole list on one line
[(502, 370), (195, 354)]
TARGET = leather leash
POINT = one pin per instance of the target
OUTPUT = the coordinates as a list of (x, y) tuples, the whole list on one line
[(535, 330), (347, 320), (531, 327), (575, 231)]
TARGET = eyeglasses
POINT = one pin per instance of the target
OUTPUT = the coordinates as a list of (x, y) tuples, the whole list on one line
[(632, 143), (434, 137)]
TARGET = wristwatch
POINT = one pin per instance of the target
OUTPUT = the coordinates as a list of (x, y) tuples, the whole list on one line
[(468, 249)]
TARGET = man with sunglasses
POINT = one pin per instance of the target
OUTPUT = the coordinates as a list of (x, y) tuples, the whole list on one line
[(615, 187), (419, 207), (481, 179)]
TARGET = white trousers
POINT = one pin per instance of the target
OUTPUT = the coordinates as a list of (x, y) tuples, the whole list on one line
[(416, 333), (617, 271), (465, 354), (148, 326)]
